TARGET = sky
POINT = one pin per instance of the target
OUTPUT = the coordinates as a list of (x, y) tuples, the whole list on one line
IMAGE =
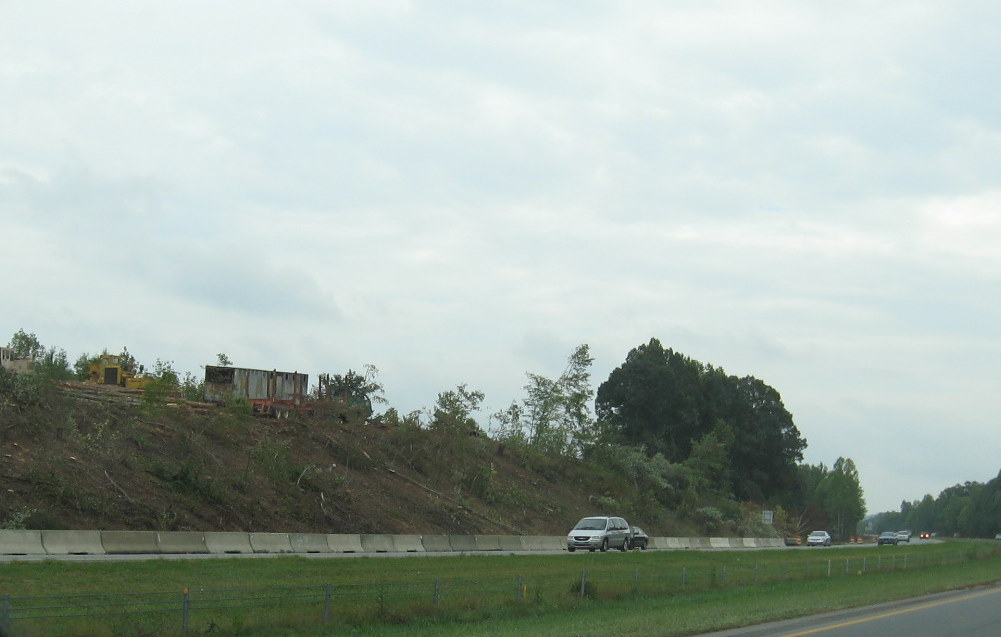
[(462, 193)]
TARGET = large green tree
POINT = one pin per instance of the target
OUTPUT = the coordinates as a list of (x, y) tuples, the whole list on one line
[(666, 402), (654, 399)]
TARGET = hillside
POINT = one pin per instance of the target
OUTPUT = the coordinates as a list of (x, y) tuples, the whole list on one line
[(86, 457)]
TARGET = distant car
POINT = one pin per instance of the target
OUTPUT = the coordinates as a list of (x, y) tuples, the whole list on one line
[(640, 539), (926, 535), (998, 536), (904, 536), (818, 538), (887, 537), (599, 532)]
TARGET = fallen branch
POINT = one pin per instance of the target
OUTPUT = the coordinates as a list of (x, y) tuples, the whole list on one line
[(120, 490)]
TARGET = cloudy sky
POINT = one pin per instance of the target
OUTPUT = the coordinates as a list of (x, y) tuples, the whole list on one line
[(804, 192)]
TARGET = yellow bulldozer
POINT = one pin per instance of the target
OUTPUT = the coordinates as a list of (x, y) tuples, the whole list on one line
[(108, 370)]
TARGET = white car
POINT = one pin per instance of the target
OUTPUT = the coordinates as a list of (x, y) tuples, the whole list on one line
[(600, 532), (818, 538)]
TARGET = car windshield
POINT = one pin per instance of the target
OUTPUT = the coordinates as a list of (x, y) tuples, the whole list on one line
[(889, 534), (591, 524)]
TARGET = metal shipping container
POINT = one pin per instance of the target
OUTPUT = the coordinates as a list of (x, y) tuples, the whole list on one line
[(221, 383)]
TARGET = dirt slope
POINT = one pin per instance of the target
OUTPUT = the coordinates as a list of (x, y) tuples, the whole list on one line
[(85, 459)]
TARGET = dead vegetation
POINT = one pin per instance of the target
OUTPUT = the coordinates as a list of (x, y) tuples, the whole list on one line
[(81, 456)]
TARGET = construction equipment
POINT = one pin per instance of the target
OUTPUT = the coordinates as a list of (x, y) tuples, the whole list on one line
[(109, 370)]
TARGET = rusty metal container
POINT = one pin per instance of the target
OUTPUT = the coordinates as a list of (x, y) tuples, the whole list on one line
[(221, 383)]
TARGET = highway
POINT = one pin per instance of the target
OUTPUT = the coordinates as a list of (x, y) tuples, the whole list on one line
[(966, 613)]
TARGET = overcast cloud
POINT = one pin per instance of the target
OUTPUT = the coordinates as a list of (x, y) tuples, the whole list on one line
[(805, 192)]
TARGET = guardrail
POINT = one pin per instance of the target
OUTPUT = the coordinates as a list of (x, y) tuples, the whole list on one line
[(20, 542)]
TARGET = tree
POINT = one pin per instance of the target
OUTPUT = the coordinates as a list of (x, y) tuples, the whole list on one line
[(840, 496), (555, 416), (26, 346), (223, 360), (665, 402), (767, 445), (652, 399), (351, 394), (454, 409), (47, 363)]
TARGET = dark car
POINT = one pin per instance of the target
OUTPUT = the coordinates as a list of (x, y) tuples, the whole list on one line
[(887, 537), (640, 539)]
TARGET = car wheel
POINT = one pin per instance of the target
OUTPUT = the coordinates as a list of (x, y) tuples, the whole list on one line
[(591, 550), (643, 546), (604, 545), (625, 545), (571, 549)]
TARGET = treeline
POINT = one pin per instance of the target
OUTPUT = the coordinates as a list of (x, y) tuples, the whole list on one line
[(665, 436), (971, 509), (689, 437)]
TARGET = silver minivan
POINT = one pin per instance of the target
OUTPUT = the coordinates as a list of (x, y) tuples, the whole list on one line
[(599, 532)]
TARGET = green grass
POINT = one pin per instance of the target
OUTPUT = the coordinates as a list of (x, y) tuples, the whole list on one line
[(659, 593)]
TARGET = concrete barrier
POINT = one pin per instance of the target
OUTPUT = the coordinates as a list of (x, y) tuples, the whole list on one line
[(719, 542), (407, 544), (543, 543), (129, 542), (181, 542), (487, 542), (511, 543), (270, 543), (72, 542), (19, 542), (436, 543), (462, 542), (749, 543), (378, 543), (308, 543), (228, 542), (344, 543)]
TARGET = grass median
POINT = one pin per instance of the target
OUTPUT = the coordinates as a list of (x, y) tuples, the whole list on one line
[(638, 593)]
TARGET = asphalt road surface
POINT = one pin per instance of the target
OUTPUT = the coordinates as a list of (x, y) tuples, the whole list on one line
[(967, 613)]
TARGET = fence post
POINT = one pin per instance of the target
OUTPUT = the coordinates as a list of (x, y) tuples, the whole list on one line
[(437, 591), (186, 610), (5, 615), (328, 595), (828, 568), (583, 580), (755, 572), (684, 577), (520, 595)]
